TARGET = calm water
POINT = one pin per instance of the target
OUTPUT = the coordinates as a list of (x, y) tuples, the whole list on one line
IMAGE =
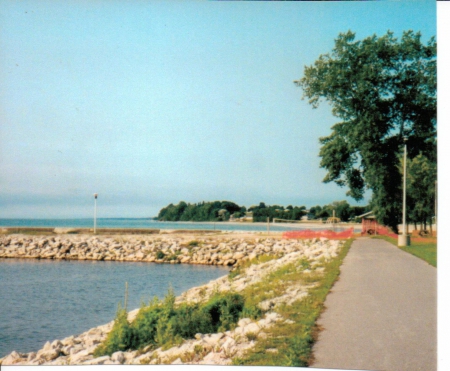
[(43, 300), (148, 223)]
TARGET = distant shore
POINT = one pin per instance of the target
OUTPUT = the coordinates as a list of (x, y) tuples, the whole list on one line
[(83, 226)]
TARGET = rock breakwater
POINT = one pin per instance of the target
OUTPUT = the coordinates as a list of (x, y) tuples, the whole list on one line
[(218, 349), (211, 250)]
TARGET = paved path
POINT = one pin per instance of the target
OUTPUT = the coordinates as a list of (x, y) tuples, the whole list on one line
[(382, 312)]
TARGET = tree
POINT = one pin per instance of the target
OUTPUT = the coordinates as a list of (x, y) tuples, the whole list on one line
[(383, 90), (421, 179)]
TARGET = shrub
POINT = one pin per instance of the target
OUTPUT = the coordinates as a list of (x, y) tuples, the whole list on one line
[(251, 311), (119, 337), (251, 336), (160, 255), (163, 324), (224, 310)]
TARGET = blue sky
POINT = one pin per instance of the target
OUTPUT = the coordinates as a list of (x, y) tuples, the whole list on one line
[(148, 103)]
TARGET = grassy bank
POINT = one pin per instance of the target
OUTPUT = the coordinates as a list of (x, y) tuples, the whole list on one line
[(423, 248), (285, 343), (290, 343)]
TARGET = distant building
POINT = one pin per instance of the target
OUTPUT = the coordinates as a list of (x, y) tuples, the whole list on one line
[(247, 218)]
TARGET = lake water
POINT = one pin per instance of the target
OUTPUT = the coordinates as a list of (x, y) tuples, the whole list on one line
[(44, 300), (153, 224)]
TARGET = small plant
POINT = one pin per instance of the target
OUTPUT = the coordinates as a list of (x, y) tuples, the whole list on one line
[(173, 257), (188, 357), (234, 273), (119, 338), (237, 361), (194, 243), (251, 336), (251, 311), (304, 264), (160, 255), (202, 293)]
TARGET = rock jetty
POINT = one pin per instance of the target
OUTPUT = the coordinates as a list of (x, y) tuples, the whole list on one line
[(212, 349), (210, 250)]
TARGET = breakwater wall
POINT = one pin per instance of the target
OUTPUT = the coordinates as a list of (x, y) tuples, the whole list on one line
[(183, 249)]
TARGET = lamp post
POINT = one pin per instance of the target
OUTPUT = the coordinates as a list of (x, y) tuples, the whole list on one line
[(95, 213), (403, 239)]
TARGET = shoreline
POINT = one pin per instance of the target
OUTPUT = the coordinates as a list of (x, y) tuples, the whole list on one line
[(300, 224), (217, 348)]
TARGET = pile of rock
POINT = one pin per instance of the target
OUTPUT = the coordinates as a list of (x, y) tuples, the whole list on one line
[(146, 248), (218, 349)]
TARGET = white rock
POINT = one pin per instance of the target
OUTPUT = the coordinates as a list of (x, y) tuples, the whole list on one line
[(118, 357), (96, 361), (13, 358), (252, 328), (244, 321)]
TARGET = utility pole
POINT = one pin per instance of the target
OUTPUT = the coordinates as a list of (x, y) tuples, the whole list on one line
[(95, 213), (403, 239)]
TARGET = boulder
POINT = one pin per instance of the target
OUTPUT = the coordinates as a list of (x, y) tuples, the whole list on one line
[(50, 355), (97, 361), (13, 358), (118, 357), (251, 328)]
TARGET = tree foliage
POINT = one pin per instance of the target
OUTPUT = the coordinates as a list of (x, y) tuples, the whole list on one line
[(262, 212), (201, 212), (383, 90), (421, 187)]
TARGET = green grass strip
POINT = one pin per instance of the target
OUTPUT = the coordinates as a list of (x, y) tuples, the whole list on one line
[(424, 250), (290, 344)]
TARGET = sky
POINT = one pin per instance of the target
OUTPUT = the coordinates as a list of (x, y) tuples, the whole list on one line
[(151, 102)]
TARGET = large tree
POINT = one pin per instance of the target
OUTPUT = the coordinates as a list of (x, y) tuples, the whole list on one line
[(421, 186), (384, 92)]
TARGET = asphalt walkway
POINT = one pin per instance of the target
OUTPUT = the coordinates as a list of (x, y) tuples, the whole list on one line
[(382, 312)]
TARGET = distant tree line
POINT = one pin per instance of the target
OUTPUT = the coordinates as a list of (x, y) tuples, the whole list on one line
[(342, 210), (200, 212), (223, 210)]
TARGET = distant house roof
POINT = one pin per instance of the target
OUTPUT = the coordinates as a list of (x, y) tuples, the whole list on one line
[(366, 215)]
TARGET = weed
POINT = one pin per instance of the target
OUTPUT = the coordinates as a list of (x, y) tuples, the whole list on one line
[(251, 336), (198, 349), (234, 273), (237, 361), (160, 255)]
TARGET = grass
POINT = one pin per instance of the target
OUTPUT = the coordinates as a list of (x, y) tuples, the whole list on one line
[(423, 248), (166, 325), (240, 268), (293, 340)]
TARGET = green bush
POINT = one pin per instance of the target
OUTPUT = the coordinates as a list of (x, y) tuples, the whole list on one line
[(119, 337), (251, 311), (160, 255), (163, 324), (224, 310)]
